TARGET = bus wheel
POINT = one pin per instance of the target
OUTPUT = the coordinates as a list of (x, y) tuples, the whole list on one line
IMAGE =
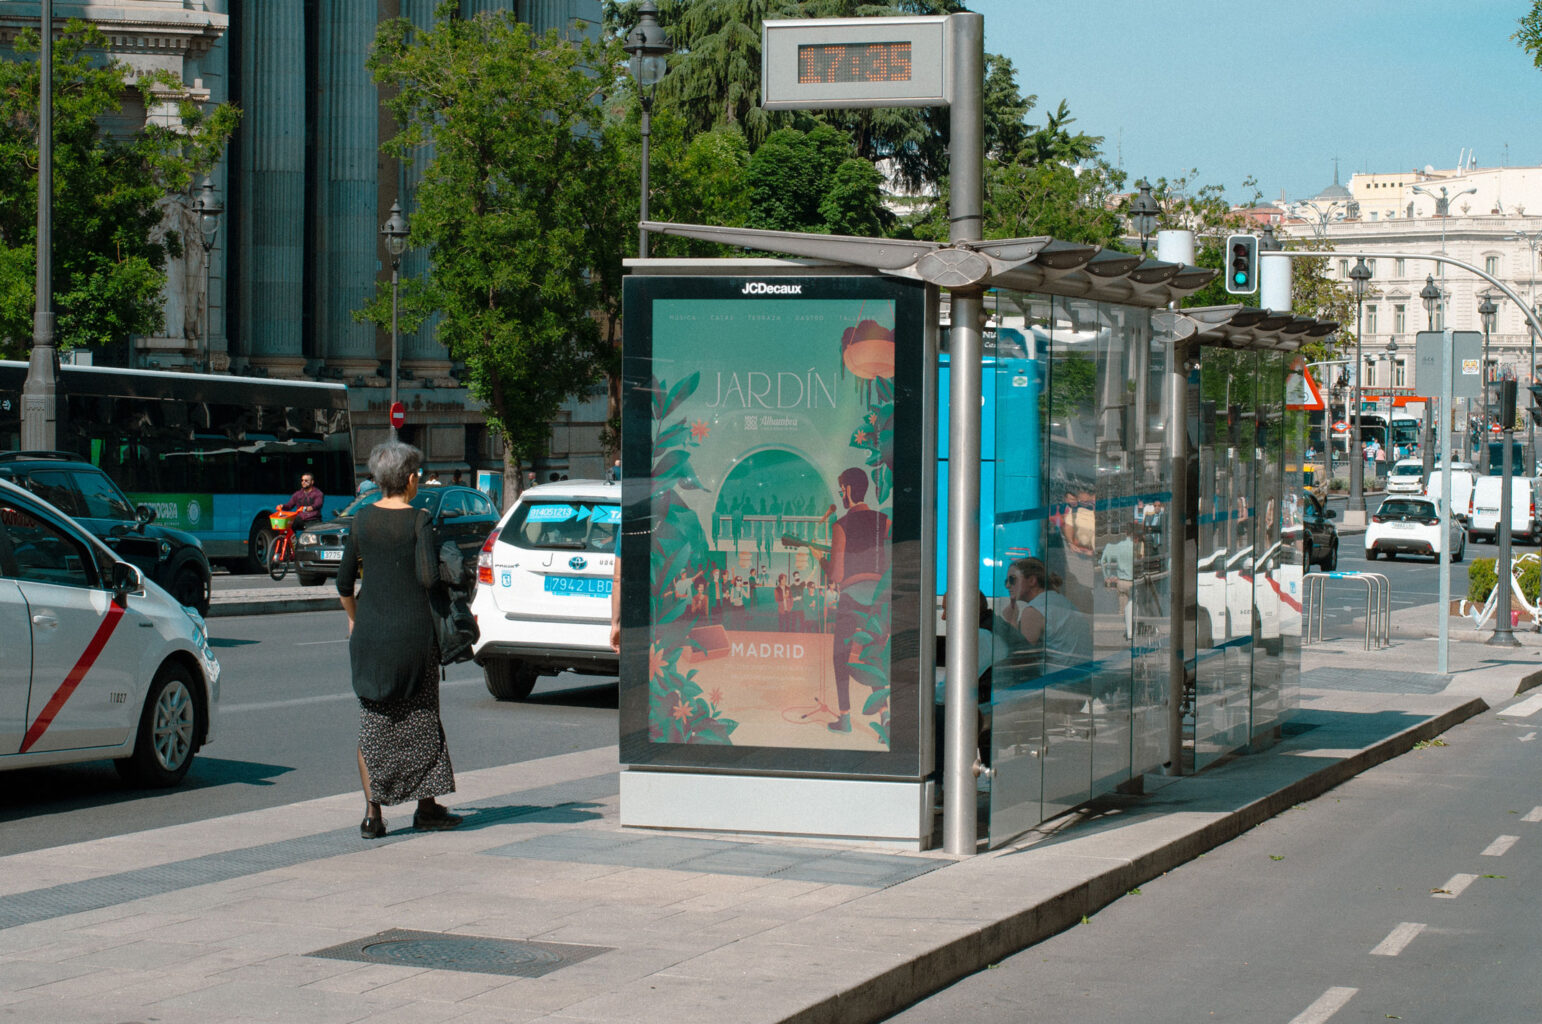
[(259, 546)]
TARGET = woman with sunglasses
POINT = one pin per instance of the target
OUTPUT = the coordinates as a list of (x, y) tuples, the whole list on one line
[(1045, 616)]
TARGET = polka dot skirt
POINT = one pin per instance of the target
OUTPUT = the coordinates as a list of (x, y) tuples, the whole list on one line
[(403, 745)]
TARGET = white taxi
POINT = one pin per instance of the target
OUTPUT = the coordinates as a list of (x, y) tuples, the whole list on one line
[(1411, 526), (542, 600), (99, 663)]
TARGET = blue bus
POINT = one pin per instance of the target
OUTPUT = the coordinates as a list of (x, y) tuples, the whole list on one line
[(210, 453)]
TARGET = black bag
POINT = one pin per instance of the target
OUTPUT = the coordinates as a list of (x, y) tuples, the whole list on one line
[(449, 602)]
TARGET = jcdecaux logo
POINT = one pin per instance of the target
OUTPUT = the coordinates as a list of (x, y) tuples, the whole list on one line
[(766, 288)]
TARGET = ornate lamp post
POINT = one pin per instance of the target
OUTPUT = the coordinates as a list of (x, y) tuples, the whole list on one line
[(648, 46), (395, 233), (1430, 296), (208, 210), (40, 392), (1358, 276), (1486, 311), (1143, 214)]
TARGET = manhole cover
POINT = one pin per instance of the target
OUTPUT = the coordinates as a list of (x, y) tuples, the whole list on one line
[(441, 952)]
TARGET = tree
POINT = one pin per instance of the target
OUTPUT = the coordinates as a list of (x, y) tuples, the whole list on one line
[(109, 248), (1529, 35), (519, 205)]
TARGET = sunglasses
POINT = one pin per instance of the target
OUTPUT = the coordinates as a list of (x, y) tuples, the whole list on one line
[(1013, 577)]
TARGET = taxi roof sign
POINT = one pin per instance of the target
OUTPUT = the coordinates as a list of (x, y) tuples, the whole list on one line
[(825, 63)]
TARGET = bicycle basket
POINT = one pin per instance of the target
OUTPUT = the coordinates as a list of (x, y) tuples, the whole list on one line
[(281, 522)]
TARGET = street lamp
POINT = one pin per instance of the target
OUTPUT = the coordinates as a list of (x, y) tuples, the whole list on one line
[(648, 46), (1443, 210), (1359, 274), (1323, 215), (1532, 240), (1430, 296), (208, 209), (1486, 311), (1143, 214), (395, 234), (40, 391)]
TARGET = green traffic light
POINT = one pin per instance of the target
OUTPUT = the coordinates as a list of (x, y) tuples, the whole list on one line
[(1240, 277)]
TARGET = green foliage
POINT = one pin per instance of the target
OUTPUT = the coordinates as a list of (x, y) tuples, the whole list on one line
[(1481, 579), (112, 188), (1529, 35), (521, 202)]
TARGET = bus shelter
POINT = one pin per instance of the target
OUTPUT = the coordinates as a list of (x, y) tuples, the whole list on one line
[(1137, 462)]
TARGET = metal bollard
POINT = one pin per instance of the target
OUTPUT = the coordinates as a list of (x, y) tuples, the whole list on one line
[(1378, 604)]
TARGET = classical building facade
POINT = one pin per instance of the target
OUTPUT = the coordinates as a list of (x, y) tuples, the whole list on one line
[(305, 190), (1490, 218)]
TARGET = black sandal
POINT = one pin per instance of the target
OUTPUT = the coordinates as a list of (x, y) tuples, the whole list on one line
[(438, 820), (372, 828)]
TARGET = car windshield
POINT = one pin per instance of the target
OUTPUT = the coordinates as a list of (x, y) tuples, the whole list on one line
[(1407, 508), (1414, 470), (575, 525)]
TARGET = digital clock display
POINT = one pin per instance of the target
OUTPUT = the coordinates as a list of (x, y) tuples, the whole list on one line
[(854, 62)]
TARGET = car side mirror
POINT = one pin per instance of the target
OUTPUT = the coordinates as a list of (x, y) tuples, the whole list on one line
[(126, 579), (145, 514)]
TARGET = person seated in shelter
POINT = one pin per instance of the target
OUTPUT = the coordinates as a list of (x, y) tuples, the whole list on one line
[(1044, 616)]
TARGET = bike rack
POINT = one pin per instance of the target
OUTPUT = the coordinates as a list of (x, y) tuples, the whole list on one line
[(1378, 604)]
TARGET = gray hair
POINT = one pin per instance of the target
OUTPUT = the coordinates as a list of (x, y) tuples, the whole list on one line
[(391, 464)]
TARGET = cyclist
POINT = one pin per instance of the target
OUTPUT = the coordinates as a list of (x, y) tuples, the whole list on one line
[(306, 502)]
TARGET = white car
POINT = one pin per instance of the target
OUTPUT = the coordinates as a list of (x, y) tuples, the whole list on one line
[(542, 600), (98, 663), (1406, 477), (1411, 526)]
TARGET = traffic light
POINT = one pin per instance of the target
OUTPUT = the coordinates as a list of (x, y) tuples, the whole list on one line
[(1536, 403), (1241, 264), (1504, 402)]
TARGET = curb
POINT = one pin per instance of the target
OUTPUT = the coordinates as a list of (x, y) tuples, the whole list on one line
[(885, 994), (272, 605)]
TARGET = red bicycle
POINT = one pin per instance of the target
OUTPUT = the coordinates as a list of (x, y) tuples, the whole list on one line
[(281, 554)]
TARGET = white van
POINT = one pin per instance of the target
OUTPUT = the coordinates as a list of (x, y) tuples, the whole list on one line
[(1462, 479), (1483, 523)]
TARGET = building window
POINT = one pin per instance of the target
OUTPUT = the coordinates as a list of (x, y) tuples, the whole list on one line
[(1344, 269), (1370, 319), (1399, 314), (1373, 212), (1370, 374), (1399, 268), (1400, 373), (1491, 266), (1371, 266)]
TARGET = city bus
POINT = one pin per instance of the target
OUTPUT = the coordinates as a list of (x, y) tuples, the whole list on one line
[(210, 453)]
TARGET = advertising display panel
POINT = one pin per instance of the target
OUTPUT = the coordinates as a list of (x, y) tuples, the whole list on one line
[(772, 525)]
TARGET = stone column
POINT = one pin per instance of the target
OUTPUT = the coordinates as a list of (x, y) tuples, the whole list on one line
[(349, 157), (420, 353), (273, 184), (215, 72)]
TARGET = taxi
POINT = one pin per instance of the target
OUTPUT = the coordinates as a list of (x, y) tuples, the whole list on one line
[(99, 663)]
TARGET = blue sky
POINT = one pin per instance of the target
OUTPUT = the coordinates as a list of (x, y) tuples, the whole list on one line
[(1384, 85)]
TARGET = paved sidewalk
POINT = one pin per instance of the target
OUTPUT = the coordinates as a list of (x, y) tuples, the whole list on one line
[(542, 908)]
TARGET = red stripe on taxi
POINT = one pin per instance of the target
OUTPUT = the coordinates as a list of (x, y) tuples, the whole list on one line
[(87, 658)]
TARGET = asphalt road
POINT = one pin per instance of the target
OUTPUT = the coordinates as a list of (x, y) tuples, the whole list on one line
[(1404, 894), (287, 731)]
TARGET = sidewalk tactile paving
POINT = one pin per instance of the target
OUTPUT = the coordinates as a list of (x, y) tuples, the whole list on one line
[(401, 947), (722, 857)]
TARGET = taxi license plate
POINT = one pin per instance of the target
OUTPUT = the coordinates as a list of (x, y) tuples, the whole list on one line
[(591, 586)]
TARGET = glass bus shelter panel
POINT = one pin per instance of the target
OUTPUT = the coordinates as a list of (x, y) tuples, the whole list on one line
[(1150, 595), (1263, 691), (1293, 568), (1075, 432)]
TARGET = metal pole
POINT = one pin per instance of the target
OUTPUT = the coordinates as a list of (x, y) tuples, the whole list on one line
[(1504, 635), (1484, 458), (396, 262), (206, 317), (960, 825), (40, 392), (647, 130), (1178, 556), (1443, 609), (1357, 456)]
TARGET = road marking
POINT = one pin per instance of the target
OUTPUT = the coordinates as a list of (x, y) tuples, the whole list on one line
[(1528, 737), (1329, 1003), (318, 643), (1401, 936), (1501, 846), (1526, 707), (323, 698), (1535, 814), (1452, 889)]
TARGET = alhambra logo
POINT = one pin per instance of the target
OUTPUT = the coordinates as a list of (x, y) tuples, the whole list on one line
[(765, 288)]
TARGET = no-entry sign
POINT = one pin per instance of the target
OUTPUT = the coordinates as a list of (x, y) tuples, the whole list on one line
[(398, 415)]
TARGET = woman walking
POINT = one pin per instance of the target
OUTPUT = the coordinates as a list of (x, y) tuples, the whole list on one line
[(391, 646)]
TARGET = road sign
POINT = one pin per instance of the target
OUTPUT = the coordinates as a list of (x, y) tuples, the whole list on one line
[(398, 415), (1466, 363), (1301, 392), (856, 62)]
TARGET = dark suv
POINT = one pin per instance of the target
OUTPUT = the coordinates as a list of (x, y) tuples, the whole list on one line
[(172, 558)]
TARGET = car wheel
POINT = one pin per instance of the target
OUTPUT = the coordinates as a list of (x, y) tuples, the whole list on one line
[(190, 586), (310, 579), (1460, 552), (1331, 563), (508, 678), (1370, 554), (169, 727)]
